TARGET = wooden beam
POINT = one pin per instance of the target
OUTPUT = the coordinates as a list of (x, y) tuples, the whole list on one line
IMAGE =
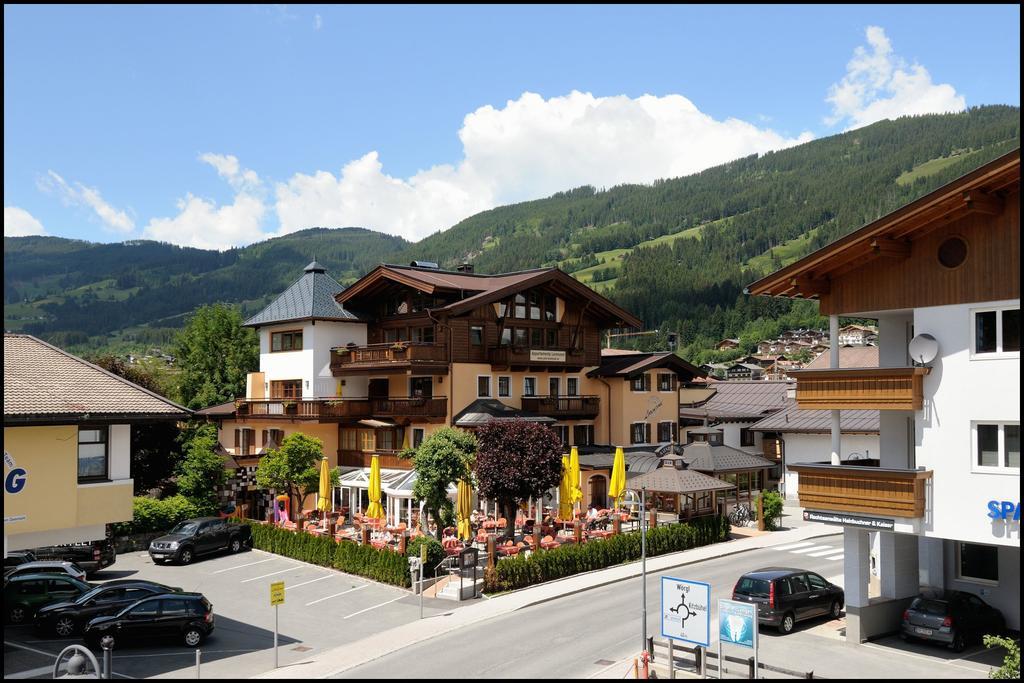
[(976, 200), (883, 246), (808, 287)]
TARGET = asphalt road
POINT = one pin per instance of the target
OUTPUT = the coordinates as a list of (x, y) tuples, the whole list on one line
[(580, 635)]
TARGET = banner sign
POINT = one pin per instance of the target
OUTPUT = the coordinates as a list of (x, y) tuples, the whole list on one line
[(547, 356), (846, 519)]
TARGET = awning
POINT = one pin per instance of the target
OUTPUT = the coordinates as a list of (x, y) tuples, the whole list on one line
[(378, 423)]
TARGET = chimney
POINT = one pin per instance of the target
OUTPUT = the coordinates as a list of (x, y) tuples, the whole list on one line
[(465, 268)]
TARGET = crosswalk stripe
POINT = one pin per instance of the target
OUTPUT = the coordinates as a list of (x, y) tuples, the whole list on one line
[(821, 553), (835, 557), (794, 545), (801, 551)]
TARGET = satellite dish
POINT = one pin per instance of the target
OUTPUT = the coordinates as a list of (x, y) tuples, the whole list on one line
[(923, 348)]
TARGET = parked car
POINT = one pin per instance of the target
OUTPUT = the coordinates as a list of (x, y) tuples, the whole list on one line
[(186, 617), (953, 618), (785, 596), (66, 618), (91, 556), (25, 594), (47, 567), (201, 536), (18, 557)]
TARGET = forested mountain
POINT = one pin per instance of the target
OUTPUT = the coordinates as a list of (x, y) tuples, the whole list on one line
[(677, 252)]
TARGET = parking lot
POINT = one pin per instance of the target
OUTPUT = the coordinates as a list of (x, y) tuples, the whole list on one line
[(323, 608)]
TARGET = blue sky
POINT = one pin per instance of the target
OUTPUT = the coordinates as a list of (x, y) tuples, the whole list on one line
[(218, 126)]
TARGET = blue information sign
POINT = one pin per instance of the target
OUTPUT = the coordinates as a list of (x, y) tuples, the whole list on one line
[(737, 622)]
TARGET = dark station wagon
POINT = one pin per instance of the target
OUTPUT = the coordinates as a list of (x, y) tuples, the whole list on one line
[(785, 596)]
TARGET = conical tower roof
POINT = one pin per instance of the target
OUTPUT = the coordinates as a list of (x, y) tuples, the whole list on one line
[(311, 297)]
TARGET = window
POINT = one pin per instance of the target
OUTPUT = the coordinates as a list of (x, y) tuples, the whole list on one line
[(997, 446), (534, 306), (583, 435), (520, 336), (174, 608), (504, 386), (286, 341), (978, 562), (367, 440), (550, 308), (423, 334), (483, 386), (132, 594), (150, 608), (506, 336), (476, 335), (746, 437), (286, 388), (421, 387), (666, 382), (552, 338), (563, 433), (349, 440), (520, 306), (529, 386), (536, 337), (572, 386), (417, 437), (639, 432), (554, 386), (92, 453), (640, 383), (664, 432), (817, 582), (997, 331), (386, 440), (799, 584)]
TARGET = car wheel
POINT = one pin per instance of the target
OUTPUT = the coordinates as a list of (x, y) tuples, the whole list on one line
[(787, 623), (185, 556), (959, 642), (17, 614), (235, 545), (64, 626), (837, 609), (192, 637)]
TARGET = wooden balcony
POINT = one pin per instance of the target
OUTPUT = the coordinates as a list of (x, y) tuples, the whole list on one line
[(564, 407), (390, 359), (341, 408), (861, 388), (513, 356), (865, 490), (386, 458)]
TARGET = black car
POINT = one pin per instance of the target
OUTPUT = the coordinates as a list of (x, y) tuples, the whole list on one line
[(201, 536), (18, 557), (953, 618), (65, 618), (25, 594), (785, 596), (185, 617), (91, 556)]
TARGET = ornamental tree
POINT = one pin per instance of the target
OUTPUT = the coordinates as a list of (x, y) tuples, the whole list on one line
[(294, 467), (215, 353), (516, 460), (202, 473), (445, 457)]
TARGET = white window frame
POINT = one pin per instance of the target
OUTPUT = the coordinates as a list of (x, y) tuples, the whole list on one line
[(534, 386), (509, 383), (669, 390), (637, 443), (998, 353), (570, 378), (973, 579), (988, 469), (490, 393)]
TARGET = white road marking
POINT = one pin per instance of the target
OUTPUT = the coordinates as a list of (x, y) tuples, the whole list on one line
[(374, 607), (820, 553), (933, 660), (835, 557), (30, 649), (337, 594), (320, 578), (269, 559), (280, 571), (791, 546), (812, 548), (31, 673)]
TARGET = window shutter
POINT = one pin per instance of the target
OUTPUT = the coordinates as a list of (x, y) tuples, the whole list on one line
[(647, 432), (675, 432), (647, 386), (238, 437), (264, 438)]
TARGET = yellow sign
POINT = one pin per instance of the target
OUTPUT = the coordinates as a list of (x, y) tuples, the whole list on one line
[(277, 593)]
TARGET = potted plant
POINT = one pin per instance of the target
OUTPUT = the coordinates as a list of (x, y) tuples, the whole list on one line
[(289, 407)]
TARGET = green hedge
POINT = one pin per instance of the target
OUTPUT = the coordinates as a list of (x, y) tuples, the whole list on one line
[(435, 552), (385, 565), (519, 571), (150, 515)]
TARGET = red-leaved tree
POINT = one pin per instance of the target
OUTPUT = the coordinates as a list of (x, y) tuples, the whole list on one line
[(516, 460)]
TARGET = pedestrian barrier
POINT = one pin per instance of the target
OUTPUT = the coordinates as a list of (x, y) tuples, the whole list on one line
[(694, 665)]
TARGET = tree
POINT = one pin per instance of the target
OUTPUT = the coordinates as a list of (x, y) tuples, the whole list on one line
[(516, 460), (294, 467), (445, 457), (201, 474), (215, 353)]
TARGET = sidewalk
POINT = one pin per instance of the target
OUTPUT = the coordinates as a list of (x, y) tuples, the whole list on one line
[(340, 659)]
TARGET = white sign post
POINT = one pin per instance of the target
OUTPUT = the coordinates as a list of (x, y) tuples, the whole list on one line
[(737, 624), (686, 611), (276, 599)]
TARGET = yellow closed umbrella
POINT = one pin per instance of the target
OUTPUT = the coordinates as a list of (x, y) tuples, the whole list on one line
[(576, 493), (463, 510), (565, 491), (617, 486), (323, 500), (374, 511)]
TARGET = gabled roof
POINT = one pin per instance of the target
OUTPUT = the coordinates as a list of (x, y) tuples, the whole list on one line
[(311, 297), (704, 457), (849, 357), (740, 400), (793, 419), (45, 384), (630, 365), (484, 410)]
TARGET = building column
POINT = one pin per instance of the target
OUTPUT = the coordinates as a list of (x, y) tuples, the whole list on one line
[(931, 563), (898, 565), (856, 572), (833, 358)]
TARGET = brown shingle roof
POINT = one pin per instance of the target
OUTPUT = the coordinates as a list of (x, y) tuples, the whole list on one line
[(849, 357), (792, 419), (623, 365), (44, 383), (740, 400), (671, 480)]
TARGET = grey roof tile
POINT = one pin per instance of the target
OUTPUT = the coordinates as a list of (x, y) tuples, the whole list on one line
[(309, 297)]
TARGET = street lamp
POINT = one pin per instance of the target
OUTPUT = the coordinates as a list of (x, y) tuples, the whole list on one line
[(643, 561)]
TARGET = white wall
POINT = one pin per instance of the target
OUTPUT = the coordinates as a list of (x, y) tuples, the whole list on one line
[(120, 452), (805, 448), (312, 363), (958, 390), (1005, 596), (731, 435)]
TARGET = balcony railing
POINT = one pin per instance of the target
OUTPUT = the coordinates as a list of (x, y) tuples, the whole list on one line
[(320, 408), (571, 407), (513, 355), (386, 458), (867, 490), (861, 388), (385, 357)]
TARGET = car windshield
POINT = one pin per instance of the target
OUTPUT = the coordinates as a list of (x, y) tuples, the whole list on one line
[(750, 586), (933, 607), (85, 597), (185, 528)]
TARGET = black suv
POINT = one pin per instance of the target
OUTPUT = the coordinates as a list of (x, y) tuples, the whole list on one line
[(785, 596), (185, 617), (66, 618), (200, 536)]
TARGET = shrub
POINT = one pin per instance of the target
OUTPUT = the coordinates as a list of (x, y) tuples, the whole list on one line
[(150, 515), (1011, 660), (435, 552), (771, 502), (519, 571)]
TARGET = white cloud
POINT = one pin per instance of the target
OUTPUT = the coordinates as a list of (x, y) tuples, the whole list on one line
[(19, 223), (230, 170), (317, 22), (80, 195), (531, 148), (200, 223), (881, 85)]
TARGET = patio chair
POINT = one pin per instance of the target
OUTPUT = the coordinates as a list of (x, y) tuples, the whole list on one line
[(508, 548), (451, 545), (549, 543)]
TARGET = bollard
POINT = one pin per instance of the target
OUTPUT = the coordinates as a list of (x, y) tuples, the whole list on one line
[(107, 643), (199, 654), (654, 519), (751, 673), (671, 660), (491, 551), (402, 542), (645, 658), (699, 661)]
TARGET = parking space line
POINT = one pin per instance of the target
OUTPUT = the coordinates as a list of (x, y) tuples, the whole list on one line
[(320, 578), (820, 553), (31, 673), (337, 594), (933, 660), (374, 607), (793, 545), (30, 649), (269, 559), (281, 571)]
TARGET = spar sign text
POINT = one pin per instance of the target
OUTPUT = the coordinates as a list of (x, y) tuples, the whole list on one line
[(15, 478)]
